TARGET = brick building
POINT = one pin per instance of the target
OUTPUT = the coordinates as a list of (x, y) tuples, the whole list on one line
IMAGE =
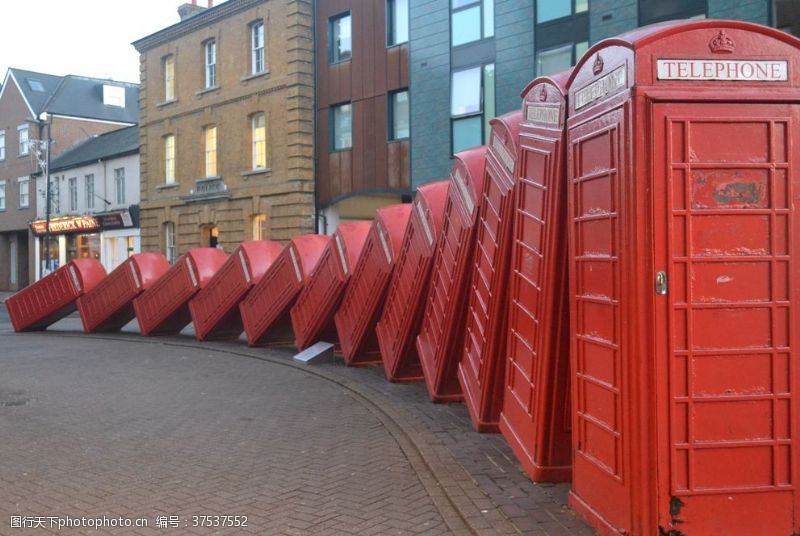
[(76, 108), (227, 126)]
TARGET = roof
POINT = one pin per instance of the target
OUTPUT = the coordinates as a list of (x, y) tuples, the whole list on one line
[(116, 143), (75, 96)]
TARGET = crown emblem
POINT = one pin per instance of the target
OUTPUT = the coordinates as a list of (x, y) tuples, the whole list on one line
[(543, 94), (722, 43), (597, 67)]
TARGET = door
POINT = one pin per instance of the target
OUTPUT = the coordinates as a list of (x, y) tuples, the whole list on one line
[(726, 235)]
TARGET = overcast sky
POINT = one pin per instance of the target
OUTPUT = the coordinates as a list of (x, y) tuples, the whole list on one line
[(83, 37)]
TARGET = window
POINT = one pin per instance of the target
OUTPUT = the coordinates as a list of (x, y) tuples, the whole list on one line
[(169, 241), (471, 20), (651, 11), (559, 58), (210, 136), (55, 195), (398, 115), (396, 22), (72, 187), (786, 14), (2, 195), (2, 144), (22, 132), (24, 192), (90, 191), (119, 185), (260, 231), (340, 38), (547, 10), (169, 77), (258, 133), (211, 63), (342, 127), (257, 47), (472, 105), (169, 159)]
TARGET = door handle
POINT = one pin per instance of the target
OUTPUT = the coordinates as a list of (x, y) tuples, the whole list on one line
[(661, 283)]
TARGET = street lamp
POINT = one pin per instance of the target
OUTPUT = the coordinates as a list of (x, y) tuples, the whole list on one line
[(44, 117)]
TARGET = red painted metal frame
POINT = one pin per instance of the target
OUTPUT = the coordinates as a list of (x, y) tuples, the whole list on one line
[(109, 305), (535, 419), (265, 310), (482, 367), (163, 309), (215, 308), (312, 313), (445, 311), (54, 296), (363, 300), (402, 314)]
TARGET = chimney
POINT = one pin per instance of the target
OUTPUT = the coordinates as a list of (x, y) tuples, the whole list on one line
[(189, 10)]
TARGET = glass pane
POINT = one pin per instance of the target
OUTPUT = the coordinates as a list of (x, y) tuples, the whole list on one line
[(400, 123), (552, 9), (580, 50), (466, 92), (581, 6), (462, 3), (467, 133), (399, 22), (342, 127), (342, 39), (554, 60), (488, 18), (466, 25), (488, 97)]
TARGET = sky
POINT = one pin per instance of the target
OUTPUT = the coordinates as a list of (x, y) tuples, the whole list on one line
[(82, 37)]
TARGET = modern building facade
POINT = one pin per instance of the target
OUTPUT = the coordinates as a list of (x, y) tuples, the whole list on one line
[(94, 202), (227, 126), (35, 107), (470, 59), (362, 108)]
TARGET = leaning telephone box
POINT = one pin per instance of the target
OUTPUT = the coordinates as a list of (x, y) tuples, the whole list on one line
[(164, 308), (363, 300), (684, 255), (265, 310), (53, 297), (312, 313), (480, 372), (443, 320), (405, 300), (535, 416), (109, 305), (215, 309)]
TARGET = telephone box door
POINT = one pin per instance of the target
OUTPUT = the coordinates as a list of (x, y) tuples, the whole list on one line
[(726, 236)]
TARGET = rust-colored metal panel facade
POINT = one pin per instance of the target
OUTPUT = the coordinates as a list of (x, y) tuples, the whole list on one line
[(535, 418), (215, 308), (443, 321), (109, 305), (312, 313), (265, 310), (684, 236), (400, 321), (482, 366), (53, 297), (364, 297), (164, 308)]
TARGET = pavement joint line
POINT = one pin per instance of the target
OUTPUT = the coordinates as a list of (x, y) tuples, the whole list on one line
[(408, 441)]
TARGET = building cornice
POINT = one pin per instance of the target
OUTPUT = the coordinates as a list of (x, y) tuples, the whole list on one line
[(195, 22)]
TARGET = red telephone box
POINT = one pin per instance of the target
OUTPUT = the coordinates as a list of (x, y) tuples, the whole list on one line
[(312, 313), (443, 320), (53, 297), (363, 300), (164, 308), (684, 280), (109, 305), (405, 299), (482, 366), (535, 417), (215, 308), (265, 310)]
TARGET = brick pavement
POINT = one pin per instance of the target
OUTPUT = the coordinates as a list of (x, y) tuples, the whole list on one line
[(136, 426)]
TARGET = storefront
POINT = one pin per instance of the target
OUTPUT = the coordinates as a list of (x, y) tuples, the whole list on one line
[(109, 238)]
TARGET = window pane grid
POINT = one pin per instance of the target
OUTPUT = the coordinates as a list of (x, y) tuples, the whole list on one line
[(89, 191), (119, 185), (24, 193), (259, 136), (257, 40), (211, 64), (169, 159), (169, 78), (211, 151), (73, 194)]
